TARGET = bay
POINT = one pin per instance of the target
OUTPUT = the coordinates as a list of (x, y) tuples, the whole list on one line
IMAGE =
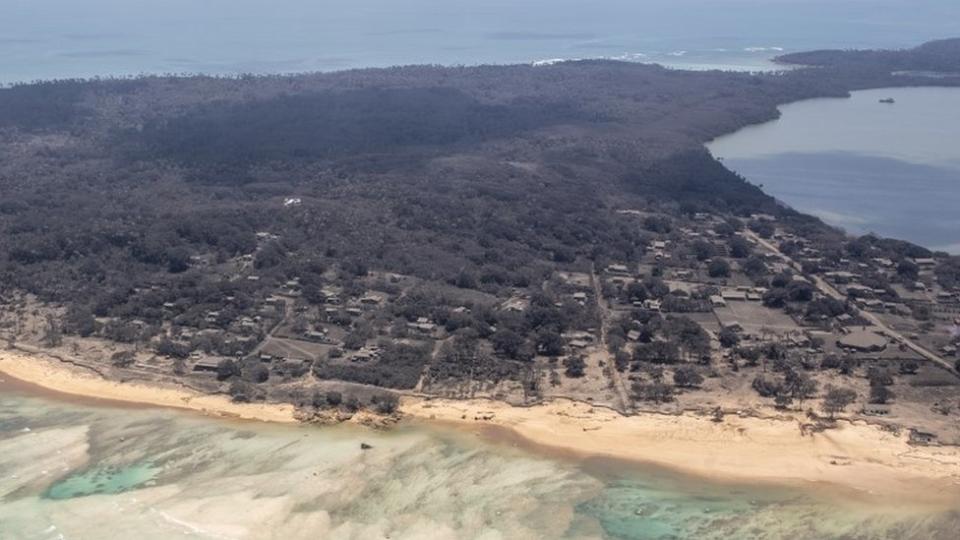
[(862, 165)]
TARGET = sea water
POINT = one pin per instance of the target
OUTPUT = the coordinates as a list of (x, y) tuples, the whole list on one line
[(863, 165), (77, 471), (46, 39)]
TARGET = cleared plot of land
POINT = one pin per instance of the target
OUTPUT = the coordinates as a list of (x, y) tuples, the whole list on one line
[(294, 348), (754, 317)]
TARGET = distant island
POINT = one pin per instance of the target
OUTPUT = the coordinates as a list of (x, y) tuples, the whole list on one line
[(453, 241)]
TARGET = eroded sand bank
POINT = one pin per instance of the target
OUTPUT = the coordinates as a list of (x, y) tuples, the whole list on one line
[(60, 377)]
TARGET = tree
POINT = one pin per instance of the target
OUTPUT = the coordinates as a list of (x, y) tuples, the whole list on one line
[(122, 359), (334, 398), (687, 377), (836, 400), (754, 267), (762, 227), (910, 367), (385, 403), (241, 391), (718, 268), (800, 291), (728, 337), (802, 388), (574, 366), (550, 342), (740, 248), (226, 369), (908, 270), (782, 400), (702, 250), (776, 298), (170, 349), (880, 394), (79, 320), (259, 374), (879, 376), (656, 392), (507, 342), (466, 279)]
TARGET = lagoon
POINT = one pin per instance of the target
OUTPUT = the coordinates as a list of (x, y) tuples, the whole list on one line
[(74, 470), (862, 165)]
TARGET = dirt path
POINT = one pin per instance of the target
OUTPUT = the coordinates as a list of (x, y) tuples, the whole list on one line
[(829, 290), (604, 310)]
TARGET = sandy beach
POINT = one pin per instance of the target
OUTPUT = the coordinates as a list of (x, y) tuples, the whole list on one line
[(856, 455), (59, 377)]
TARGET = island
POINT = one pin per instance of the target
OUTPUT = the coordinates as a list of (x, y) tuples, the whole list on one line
[(548, 249)]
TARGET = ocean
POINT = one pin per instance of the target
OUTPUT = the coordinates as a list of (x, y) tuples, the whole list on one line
[(50, 39), (862, 165), (70, 470)]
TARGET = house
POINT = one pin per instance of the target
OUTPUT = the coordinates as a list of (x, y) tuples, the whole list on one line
[(208, 365), (734, 296), (922, 438), (316, 335), (925, 262), (579, 344), (633, 335), (859, 290), (863, 341), (618, 269), (423, 325), (580, 297), (371, 300), (734, 325), (717, 301), (841, 278)]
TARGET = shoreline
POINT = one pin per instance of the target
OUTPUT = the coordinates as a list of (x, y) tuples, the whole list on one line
[(61, 378), (857, 457)]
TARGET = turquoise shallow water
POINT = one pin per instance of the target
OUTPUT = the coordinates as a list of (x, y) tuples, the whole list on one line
[(79, 472)]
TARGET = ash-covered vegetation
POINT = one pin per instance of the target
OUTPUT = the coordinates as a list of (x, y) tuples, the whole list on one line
[(402, 227), (941, 56)]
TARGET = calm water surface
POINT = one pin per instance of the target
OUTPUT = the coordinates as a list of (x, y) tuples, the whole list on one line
[(863, 165), (71, 471), (43, 39)]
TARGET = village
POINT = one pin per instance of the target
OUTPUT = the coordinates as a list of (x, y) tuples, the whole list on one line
[(717, 314)]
